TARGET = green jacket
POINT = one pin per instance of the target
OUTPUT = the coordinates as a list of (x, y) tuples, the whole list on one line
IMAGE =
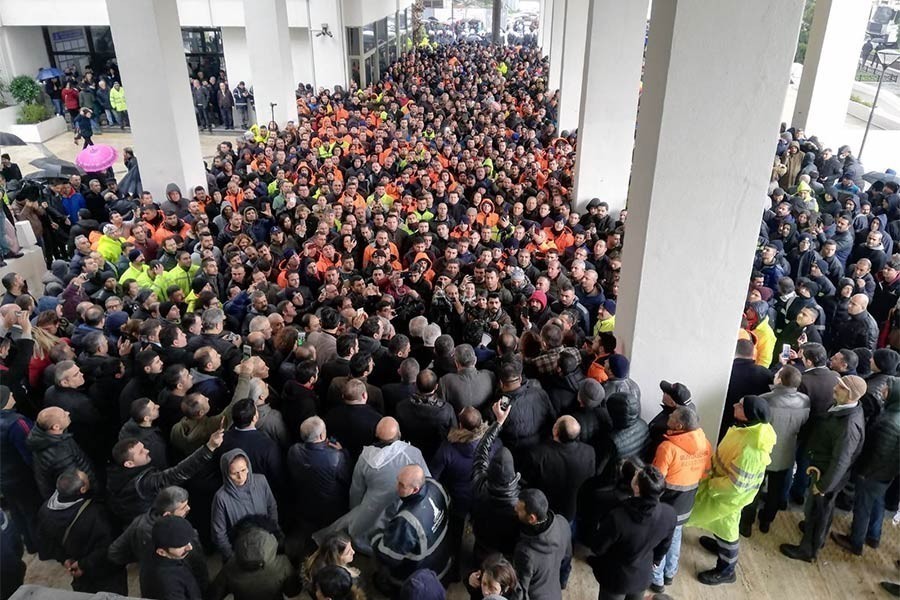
[(738, 469), (256, 571), (117, 99), (133, 272), (176, 276)]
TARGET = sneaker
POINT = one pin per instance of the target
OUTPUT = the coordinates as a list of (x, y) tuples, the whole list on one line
[(846, 543), (795, 553), (12, 254), (715, 577), (870, 542), (656, 588), (709, 544)]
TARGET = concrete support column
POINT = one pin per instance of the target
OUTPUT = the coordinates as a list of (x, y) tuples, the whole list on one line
[(328, 53), (609, 100), (269, 48), (150, 53), (557, 34), (687, 257), (832, 54), (574, 42), (545, 25)]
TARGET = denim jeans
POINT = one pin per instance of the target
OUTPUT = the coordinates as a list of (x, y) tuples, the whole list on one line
[(800, 482), (868, 511), (58, 107), (668, 566), (110, 118)]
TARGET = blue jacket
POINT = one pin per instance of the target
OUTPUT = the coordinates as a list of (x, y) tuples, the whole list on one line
[(415, 536), (16, 464), (72, 204), (320, 478)]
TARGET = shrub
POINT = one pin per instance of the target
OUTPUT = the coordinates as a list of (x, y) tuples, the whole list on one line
[(24, 89), (32, 113)]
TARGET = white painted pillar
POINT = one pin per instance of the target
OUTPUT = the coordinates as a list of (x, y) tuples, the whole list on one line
[(835, 40), (609, 100), (271, 68), (557, 35), (687, 256), (329, 54), (150, 53), (545, 25), (574, 42)]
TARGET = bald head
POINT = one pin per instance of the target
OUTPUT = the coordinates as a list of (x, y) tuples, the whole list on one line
[(858, 304), (410, 480), (566, 429), (53, 420), (388, 430)]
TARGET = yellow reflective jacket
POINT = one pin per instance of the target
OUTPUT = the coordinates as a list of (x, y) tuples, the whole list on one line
[(738, 469)]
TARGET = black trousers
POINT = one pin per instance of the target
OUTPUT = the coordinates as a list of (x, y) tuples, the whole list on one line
[(768, 499)]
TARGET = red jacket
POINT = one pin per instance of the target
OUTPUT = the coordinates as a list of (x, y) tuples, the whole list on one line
[(70, 98)]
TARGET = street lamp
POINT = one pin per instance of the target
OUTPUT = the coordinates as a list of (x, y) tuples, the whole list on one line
[(888, 58)]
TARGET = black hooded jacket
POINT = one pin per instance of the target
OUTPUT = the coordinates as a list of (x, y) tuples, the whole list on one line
[(495, 491), (53, 454), (632, 538)]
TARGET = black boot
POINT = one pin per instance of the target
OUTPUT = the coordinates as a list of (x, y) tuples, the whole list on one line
[(796, 553), (715, 577)]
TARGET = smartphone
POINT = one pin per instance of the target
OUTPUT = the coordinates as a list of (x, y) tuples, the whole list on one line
[(301, 338), (247, 351), (786, 351), (504, 402)]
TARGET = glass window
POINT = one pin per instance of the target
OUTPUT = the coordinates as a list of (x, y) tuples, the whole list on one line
[(354, 71), (368, 32), (353, 40), (102, 38), (192, 41), (371, 67), (402, 19), (68, 39), (213, 40), (392, 27), (381, 31), (79, 61)]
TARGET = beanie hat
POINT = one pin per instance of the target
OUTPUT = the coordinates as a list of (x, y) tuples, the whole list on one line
[(865, 356), (756, 409), (856, 385), (134, 255), (502, 469), (423, 584), (886, 360), (172, 532), (541, 297), (619, 366), (517, 274), (610, 306), (591, 393)]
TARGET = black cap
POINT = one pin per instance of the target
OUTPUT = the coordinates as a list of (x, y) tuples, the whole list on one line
[(677, 391)]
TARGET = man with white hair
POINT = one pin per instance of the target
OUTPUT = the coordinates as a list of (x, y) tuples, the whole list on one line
[(319, 475), (269, 420)]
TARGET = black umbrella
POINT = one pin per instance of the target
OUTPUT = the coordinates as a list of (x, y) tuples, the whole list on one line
[(873, 176), (56, 167), (8, 139)]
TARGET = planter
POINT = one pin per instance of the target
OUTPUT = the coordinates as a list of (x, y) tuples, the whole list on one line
[(38, 133), (879, 120), (8, 117)]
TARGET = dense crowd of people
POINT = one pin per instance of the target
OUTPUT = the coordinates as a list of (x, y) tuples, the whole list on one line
[(385, 329)]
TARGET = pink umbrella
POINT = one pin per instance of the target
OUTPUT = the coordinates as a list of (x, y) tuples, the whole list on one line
[(96, 158)]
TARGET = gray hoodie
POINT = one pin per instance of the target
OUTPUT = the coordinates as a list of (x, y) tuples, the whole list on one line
[(179, 205), (232, 503), (374, 488)]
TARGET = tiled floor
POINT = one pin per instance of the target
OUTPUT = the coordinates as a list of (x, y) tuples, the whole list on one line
[(763, 573)]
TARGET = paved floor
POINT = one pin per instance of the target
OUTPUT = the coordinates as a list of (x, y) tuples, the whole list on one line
[(763, 573)]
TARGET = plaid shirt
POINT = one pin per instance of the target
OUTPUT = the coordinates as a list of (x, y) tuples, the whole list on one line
[(546, 362)]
